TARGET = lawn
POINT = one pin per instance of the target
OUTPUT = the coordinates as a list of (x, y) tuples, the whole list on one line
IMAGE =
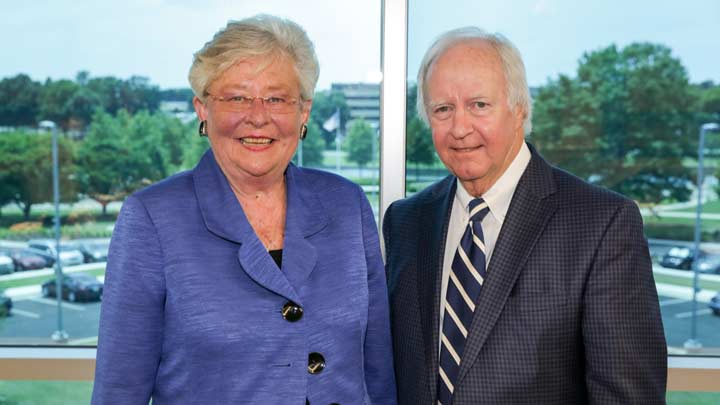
[(45, 392), (706, 223), (693, 398), (710, 207), (686, 281)]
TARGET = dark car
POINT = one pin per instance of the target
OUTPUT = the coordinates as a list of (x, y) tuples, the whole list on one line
[(75, 287), (715, 304), (678, 258), (93, 250), (5, 305), (28, 258)]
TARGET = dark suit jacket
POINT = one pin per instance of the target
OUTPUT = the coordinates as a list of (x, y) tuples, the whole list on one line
[(568, 313)]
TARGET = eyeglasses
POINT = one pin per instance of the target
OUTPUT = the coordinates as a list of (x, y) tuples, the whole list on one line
[(243, 104), (442, 112)]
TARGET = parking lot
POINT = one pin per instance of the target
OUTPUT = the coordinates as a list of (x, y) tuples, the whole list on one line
[(34, 319), (677, 318)]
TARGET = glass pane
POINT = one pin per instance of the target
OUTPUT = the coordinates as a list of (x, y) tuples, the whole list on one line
[(620, 103), (114, 89)]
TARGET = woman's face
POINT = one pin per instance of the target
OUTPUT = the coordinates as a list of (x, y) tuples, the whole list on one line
[(250, 137)]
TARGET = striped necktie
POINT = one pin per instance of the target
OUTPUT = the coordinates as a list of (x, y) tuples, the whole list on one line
[(466, 279)]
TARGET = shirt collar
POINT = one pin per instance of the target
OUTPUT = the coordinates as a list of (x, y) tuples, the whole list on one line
[(498, 197)]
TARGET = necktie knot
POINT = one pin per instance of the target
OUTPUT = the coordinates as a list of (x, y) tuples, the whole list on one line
[(478, 208)]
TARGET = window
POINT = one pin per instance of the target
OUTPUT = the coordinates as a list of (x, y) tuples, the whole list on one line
[(619, 103), (118, 99)]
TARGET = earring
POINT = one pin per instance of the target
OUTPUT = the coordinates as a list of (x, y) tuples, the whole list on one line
[(303, 131), (202, 130)]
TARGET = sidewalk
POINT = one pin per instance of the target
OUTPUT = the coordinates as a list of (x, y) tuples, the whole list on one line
[(684, 293)]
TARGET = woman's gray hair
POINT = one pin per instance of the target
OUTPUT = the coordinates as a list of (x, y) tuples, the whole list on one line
[(262, 35), (518, 93)]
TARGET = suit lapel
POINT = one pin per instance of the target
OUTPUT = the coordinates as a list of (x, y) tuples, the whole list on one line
[(526, 218), (431, 250), (224, 217), (305, 217)]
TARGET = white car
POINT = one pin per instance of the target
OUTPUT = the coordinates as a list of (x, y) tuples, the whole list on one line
[(69, 256), (7, 265)]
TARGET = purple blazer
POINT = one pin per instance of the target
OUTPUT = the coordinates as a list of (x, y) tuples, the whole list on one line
[(192, 303)]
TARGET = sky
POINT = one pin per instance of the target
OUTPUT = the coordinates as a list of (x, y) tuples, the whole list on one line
[(157, 38)]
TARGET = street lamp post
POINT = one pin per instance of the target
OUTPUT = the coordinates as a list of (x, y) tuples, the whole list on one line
[(693, 343), (59, 335)]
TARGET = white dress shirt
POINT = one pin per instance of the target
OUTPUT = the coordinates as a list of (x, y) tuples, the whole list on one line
[(498, 198)]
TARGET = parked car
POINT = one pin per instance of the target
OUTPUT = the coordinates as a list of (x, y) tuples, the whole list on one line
[(715, 304), (709, 263), (678, 258), (69, 255), (28, 259), (683, 258), (7, 265), (93, 250), (75, 287), (5, 304)]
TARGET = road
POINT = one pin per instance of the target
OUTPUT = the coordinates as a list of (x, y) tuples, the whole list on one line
[(677, 317), (35, 317)]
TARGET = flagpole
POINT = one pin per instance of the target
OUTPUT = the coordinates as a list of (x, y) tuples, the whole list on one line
[(337, 149)]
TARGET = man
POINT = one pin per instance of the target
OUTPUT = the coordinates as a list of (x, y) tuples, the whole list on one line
[(512, 281)]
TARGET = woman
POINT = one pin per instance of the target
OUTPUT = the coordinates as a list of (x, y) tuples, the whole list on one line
[(247, 279)]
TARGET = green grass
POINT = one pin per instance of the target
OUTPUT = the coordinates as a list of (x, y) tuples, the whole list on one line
[(41, 279), (706, 223), (45, 392), (686, 282), (710, 207), (693, 398)]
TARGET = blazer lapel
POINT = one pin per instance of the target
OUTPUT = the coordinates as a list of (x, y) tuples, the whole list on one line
[(525, 220), (431, 250), (305, 217), (224, 217)]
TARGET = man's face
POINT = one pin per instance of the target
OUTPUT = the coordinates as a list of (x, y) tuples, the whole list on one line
[(475, 132)]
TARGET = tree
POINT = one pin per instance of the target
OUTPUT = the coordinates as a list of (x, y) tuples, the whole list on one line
[(105, 163), (708, 97), (20, 101), (359, 142), (195, 146), (623, 122), (26, 169), (182, 94), (132, 95), (54, 102), (123, 153), (419, 145), (157, 140)]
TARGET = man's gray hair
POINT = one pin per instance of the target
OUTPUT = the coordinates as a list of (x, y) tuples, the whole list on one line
[(518, 93), (262, 35)]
